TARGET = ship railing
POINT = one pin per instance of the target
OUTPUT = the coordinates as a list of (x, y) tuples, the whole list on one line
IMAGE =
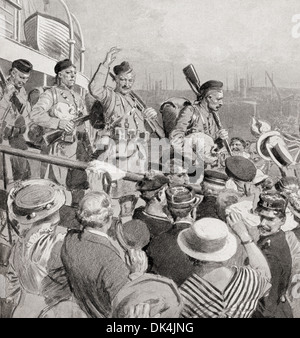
[(62, 162)]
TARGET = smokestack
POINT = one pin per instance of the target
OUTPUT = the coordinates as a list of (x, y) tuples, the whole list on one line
[(243, 88)]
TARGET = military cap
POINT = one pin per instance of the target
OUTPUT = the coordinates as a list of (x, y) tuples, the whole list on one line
[(151, 183), (61, 65), (124, 67), (272, 201), (22, 65), (287, 185), (215, 177), (210, 85), (240, 168), (182, 197)]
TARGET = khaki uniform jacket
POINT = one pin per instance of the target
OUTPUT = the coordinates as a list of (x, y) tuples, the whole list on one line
[(118, 108), (192, 119)]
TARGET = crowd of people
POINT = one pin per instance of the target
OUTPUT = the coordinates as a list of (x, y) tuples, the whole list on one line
[(205, 231)]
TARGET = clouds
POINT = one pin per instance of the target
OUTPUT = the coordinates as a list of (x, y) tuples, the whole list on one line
[(218, 36)]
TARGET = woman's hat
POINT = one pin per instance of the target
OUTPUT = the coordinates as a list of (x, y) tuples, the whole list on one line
[(271, 147), (208, 239), (33, 200), (159, 292)]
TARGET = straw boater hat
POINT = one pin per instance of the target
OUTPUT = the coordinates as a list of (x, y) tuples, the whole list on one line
[(33, 200), (271, 147), (159, 292), (208, 239)]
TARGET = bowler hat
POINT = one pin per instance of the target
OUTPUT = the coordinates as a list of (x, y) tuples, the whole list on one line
[(61, 65), (271, 147), (22, 65), (133, 234), (208, 239), (272, 201), (240, 168), (124, 67), (159, 292), (150, 183), (33, 200), (182, 197)]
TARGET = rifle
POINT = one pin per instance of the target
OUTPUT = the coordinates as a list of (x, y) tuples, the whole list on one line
[(153, 124), (193, 80), (54, 136)]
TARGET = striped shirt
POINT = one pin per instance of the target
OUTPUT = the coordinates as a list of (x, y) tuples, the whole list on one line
[(238, 300)]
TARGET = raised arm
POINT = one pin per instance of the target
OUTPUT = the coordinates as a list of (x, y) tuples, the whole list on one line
[(97, 85), (256, 258)]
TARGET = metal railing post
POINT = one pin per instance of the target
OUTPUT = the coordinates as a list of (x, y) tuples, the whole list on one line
[(71, 40)]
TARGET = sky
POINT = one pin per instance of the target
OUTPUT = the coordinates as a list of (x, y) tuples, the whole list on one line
[(220, 38)]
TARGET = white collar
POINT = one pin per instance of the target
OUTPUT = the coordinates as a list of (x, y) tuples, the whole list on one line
[(97, 232)]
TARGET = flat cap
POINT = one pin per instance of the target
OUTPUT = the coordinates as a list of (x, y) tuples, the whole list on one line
[(240, 168), (22, 65), (61, 65), (124, 67)]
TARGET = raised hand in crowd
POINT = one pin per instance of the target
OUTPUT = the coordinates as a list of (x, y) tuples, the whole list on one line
[(235, 222), (111, 56)]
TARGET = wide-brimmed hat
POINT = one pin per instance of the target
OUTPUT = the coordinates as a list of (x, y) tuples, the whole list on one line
[(159, 292), (33, 200), (271, 147), (240, 168), (133, 234), (182, 197), (208, 239)]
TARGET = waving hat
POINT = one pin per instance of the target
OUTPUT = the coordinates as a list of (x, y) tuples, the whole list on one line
[(33, 200), (271, 147)]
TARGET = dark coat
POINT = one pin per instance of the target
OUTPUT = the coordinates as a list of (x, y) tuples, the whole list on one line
[(95, 271), (277, 252), (167, 258)]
